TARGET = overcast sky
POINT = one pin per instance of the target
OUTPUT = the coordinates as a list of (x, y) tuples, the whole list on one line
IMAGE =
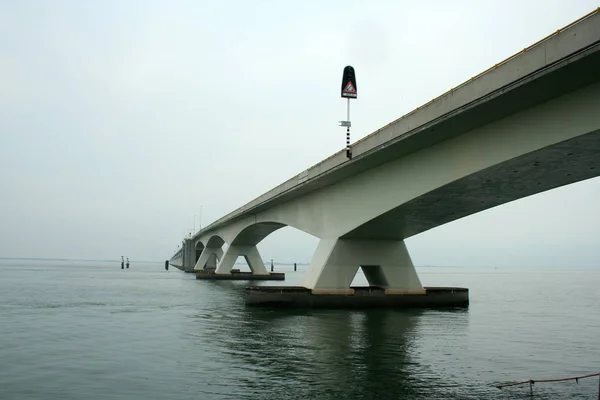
[(119, 120)]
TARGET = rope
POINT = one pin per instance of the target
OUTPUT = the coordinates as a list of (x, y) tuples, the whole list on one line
[(532, 381)]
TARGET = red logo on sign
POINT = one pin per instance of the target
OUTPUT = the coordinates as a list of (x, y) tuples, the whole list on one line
[(349, 88)]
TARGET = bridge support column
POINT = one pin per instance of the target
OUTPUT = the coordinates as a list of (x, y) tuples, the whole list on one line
[(386, 264), (250, 253), (189, 255), (208, 259)]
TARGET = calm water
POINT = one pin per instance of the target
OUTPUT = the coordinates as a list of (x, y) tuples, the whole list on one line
[(82, 330)]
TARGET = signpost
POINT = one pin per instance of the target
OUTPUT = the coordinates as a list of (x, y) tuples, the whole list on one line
[(349, 91)]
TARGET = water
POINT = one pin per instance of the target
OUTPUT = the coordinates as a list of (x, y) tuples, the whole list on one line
[(84, 330)]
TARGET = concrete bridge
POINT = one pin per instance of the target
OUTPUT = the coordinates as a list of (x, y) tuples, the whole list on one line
[(528, 124)]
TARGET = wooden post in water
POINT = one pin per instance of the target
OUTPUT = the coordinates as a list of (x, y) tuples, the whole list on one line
[(294, 266), (271, 265)]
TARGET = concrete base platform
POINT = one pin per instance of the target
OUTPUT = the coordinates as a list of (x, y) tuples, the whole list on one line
[(240, 276), (363, 297)]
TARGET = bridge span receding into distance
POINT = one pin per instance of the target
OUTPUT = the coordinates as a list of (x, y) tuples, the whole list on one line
[(528, 124)]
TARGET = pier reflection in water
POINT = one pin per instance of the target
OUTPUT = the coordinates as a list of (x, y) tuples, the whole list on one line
[(324, 353), (330, 353)]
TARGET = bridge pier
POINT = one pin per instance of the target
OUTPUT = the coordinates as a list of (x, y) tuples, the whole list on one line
[(224, 270), (393, 280), (386, 265), (209, 258), (250, 253), (188, 255)]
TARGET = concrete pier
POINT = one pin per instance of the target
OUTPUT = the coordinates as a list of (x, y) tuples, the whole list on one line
[(236, 275), (358, 297)]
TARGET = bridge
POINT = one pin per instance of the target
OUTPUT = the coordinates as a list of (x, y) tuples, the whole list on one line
[(528, 124)]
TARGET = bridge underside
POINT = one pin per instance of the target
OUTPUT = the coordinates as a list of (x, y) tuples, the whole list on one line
[(551, 167), (253, 234)]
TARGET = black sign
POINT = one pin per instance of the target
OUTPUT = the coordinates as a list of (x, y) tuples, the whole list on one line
[(349, 83)]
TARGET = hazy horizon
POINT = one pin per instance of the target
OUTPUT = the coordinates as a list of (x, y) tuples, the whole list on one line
[(240, 261)]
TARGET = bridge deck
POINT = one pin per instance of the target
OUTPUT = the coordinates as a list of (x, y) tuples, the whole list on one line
[(529, 77)]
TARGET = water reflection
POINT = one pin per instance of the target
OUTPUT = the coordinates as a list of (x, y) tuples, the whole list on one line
[(314, 353), (73, 332)]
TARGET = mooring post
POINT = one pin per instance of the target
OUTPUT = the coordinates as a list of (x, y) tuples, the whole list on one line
[(271, 265), (531, 388), (294, 266)]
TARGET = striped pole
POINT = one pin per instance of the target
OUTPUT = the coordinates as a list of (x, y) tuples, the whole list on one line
[(348, 150)]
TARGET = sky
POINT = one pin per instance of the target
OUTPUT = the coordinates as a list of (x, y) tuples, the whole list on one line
[(123, 122)]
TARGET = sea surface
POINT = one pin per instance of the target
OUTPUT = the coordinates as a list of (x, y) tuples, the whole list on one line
[(89, 330)]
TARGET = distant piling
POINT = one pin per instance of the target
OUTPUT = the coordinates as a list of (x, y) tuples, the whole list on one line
[(294, 266), (166, 265), (271, 265)]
